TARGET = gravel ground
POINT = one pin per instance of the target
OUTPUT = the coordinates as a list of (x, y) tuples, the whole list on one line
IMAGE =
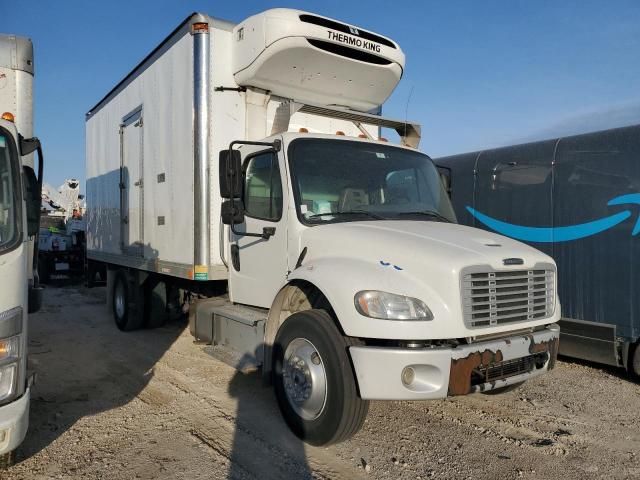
[(152, 405)]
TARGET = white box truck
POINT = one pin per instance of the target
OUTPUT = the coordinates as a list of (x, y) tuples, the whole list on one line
[(20, 187), (239, 167)]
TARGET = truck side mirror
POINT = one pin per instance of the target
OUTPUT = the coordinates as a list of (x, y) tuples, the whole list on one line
[(230, 173), (28, 145), (33, 200), (445, 178), (232, 212)]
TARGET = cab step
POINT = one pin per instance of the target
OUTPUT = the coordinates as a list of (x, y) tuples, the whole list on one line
[(232, 333)]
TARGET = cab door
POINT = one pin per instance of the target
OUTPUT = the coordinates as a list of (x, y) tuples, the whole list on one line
[(258, 266)]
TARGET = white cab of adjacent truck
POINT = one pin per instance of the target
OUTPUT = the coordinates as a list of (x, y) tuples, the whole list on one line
[(19, 222), (238, 171)]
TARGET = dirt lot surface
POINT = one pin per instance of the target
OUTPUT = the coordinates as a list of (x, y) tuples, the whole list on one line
[(151, 404)]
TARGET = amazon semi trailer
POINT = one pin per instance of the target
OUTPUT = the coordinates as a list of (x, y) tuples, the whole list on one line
[(19, 223), (576, 199), (238, 172)]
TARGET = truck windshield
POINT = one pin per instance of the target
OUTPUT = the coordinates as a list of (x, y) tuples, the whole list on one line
[(9, 218), (342, 181)]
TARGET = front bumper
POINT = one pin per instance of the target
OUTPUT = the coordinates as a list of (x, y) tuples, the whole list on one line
[(14, 421), (442, 372)]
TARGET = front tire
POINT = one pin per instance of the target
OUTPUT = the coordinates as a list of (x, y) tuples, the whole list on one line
[(314, 381)]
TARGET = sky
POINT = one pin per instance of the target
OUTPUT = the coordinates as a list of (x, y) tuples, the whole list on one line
[(478, 74)]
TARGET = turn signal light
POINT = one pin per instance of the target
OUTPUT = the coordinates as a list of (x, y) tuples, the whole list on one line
[(9, 117), (200, 27)]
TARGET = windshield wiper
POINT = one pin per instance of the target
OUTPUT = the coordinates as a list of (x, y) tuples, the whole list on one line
[(350, 212), (429, 213)]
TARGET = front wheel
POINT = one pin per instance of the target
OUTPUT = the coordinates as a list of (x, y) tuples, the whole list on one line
[(314, 380)]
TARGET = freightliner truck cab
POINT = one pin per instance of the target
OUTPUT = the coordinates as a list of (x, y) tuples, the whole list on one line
[(373, 290)]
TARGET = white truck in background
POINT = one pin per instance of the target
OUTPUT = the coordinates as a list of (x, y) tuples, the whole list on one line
[(61, 245), (247, 158), (20, 187)]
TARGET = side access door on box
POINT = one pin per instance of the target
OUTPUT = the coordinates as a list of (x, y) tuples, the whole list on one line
[(131, 184)]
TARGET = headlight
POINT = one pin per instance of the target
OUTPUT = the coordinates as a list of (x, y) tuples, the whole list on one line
[(9, 353), (8, 378), (389, 306)]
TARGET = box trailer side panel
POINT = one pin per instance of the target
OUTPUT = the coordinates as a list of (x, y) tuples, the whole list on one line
[(598, 273), (140, 166)]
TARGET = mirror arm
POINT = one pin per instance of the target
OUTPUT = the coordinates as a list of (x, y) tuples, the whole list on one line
[(267, 232)]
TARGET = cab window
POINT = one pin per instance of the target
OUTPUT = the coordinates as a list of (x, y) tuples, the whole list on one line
[(9, 218), (263, 187)]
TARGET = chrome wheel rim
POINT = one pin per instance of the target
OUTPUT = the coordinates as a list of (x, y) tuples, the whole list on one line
[(119, 303), (304, 378)]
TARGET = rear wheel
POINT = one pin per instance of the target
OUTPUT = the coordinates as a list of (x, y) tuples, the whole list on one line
[(124, 304), (314, 380), (634, 364), (156, 313)]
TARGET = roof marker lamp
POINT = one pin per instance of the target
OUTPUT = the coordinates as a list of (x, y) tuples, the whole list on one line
[(389, 306)]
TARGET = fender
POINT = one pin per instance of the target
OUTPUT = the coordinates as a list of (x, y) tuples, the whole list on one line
[(340, 278)]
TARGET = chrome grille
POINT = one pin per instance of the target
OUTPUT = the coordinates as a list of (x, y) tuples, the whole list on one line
[(491, 298)]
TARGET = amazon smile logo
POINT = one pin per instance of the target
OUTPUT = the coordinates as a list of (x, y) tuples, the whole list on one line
[(567, 233)]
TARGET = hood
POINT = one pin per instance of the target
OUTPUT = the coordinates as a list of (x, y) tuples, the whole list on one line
[(419, 259), (406, 243)]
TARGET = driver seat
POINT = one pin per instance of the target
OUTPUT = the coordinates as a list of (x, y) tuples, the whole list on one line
[(352, 199)]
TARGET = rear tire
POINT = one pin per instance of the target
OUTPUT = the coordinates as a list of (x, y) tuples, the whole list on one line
[(7, 460), (156, 314), (314, 380), (634, 362), (125, 311), (501, 390)]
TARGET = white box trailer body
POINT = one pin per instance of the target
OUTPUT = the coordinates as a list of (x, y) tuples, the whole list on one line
[(248, 155), (19, 212), (146, 135), (16, 83)]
